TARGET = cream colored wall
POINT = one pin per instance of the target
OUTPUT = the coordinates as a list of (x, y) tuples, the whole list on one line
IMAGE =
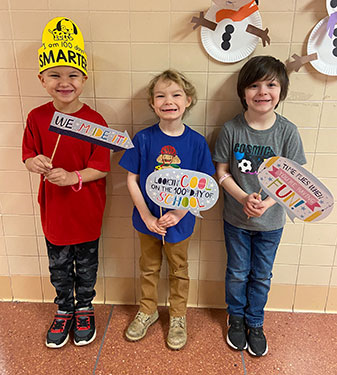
[(127, 41)]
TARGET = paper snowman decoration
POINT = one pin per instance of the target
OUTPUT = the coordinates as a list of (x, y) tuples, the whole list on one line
[(322, 44), (230, 30)]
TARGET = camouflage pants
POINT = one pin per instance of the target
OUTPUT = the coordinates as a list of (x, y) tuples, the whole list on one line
[(73, 267)]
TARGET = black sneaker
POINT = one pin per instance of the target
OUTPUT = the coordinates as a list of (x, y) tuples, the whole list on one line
[(236, 335), (257, 343), (84, 327), (58, 333)]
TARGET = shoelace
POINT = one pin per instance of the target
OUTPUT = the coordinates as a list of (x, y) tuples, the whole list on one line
[(141, 317), (58, 325), (177, 322), (82, 322)]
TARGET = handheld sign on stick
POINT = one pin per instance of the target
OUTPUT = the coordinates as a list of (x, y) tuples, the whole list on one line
[(55, 148), (297, 190), (90, 132), (161, 214), (182, 189)]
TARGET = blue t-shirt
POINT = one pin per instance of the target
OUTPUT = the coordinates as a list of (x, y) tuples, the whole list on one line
[(155, 150)]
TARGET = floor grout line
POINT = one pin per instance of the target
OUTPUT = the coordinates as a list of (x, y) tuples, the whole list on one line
[(102, 343), (243, 363)]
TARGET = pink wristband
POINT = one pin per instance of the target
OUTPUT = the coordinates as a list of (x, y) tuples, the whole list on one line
[(223, 178), (79, 182)]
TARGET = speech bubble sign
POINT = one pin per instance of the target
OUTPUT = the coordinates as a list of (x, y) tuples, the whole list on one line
[(297, 190), (90, 132), (182, 189)]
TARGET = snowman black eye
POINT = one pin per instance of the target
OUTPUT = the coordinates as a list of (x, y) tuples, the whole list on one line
[(333, 3)]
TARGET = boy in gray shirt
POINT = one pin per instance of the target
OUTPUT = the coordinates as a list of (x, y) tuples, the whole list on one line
[(253, 222)]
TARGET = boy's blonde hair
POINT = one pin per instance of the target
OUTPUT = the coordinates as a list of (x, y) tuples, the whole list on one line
[(179, 79)]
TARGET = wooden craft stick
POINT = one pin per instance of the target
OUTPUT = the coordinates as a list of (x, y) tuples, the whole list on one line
[(161, 214), (53, 154), (55, 148)]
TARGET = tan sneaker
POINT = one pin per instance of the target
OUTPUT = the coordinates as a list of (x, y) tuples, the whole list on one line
[(177, 336), (139, 326)]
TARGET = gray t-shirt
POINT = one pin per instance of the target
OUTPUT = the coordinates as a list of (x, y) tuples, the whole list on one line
[(244, 149)]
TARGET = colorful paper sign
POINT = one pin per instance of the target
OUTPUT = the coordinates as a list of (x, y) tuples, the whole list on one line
[(62, 45), (90, 132), (297, 190), (182, 189)]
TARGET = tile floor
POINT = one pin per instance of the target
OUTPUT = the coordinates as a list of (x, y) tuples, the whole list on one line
[(299, 344)]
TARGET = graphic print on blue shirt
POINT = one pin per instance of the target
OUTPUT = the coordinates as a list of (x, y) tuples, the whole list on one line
[(250, 157), (168, 158)]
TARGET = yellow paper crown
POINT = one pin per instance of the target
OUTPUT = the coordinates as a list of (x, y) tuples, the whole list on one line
[(62, 45)]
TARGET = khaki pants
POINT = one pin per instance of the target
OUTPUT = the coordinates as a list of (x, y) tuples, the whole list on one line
[(150, 264)]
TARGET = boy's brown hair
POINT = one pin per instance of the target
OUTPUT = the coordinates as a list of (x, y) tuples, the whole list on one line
[(261, 68), (179, 79)]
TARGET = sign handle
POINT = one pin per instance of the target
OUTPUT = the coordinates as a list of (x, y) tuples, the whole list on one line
[(55, 148), (53, 154), (161, 214)]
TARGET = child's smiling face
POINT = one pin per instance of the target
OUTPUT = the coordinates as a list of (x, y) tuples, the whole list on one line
[(263, 96), (169, 100), (64, 84)]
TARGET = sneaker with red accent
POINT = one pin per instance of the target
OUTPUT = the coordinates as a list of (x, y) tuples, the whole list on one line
[(58, 333), (84, 327)]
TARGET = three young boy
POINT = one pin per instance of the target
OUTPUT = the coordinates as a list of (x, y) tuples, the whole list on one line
[(72, 193)]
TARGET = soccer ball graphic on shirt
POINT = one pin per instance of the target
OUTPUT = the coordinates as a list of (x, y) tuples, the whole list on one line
[(245, 166)]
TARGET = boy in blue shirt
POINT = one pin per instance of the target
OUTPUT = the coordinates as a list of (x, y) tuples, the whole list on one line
[(167, 144)]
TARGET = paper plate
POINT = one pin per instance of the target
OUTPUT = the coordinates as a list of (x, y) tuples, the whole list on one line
[(241, 44), (331, 6), (320, 43)]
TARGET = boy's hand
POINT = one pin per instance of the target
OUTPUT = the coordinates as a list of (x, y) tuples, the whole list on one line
[(172, 218), (254, 206), (61, 177), (258, 210), (39, 164), (152, 224)]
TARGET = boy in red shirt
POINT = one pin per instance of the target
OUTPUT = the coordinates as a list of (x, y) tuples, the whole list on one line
[(72, 185)]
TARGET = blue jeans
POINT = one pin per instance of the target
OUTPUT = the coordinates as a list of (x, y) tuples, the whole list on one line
[(250, 261)]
